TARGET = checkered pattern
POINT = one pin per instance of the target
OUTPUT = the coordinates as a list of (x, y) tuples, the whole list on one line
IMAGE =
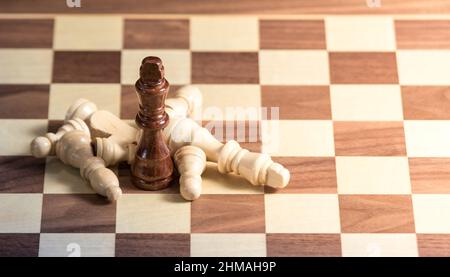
[(364, 130)]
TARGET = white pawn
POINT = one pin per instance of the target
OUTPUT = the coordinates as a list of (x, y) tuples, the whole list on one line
[(81, 108), (190, 162), (74, 148), (44, 146)]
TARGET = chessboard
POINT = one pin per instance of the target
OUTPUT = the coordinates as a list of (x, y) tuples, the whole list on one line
[(363, 125)]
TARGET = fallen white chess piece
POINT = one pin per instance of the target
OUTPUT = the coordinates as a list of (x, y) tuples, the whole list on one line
[(190, 145), (72, 145)]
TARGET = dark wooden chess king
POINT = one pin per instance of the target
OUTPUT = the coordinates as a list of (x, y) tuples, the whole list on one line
[(152, 167)]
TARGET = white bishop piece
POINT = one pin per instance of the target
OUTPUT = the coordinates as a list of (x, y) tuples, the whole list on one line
[(190, 144)]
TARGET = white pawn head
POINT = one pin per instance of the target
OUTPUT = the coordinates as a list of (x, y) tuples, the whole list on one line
[(41, 147), (81, 108)]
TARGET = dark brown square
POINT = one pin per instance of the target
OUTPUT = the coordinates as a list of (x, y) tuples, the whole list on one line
[(292, 34), (54, 125), (153, 245), (363, 68), (376, 214), (156, 34), (308, 175), (422, 34), (369, 138), (298, 102), (19, 245), (228, 214), (246, 133), (26, 33), (21, 174), (426, 102), (77, 213), (86, 67), (434, 245), (225, 68), (24, 101), (304, 245)]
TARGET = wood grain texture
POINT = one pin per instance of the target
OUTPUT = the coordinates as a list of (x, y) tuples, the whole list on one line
[(426, 102), (19, 245), (228, 214), (369, 138), (292, 34), (363, 68), (303, 245), (24, 101), (430, 175), (26, 33), (21, 174), (156, 34), (152, 245), (422, 34), (225, 68), (433, 245), (376, 214), (298, 102), (230, 7), (77, 213), (308, 175), (86, 67)]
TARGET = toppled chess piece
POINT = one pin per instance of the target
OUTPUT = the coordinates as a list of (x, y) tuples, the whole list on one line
[(190, 162), (152, 166), (72, 145), (74, 148), (259, 169), (189, 144), (44, 146)]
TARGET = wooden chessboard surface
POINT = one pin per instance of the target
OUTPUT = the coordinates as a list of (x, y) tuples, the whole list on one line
[(364, 128)]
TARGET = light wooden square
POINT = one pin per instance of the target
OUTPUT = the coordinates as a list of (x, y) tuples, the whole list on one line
[(88, 33), (77, 245), (26, 66), (228, 245), (373, 175), (17, 134), (177, 65), (431, 213), (219, 102), (309, 138), (359, 33), (379, 245), (427, 138), (153, 213), (62, 96), (366, 102), (306, 213), (423, 67), (61, 178), (224, 33), (293, 67), (20, 213)]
